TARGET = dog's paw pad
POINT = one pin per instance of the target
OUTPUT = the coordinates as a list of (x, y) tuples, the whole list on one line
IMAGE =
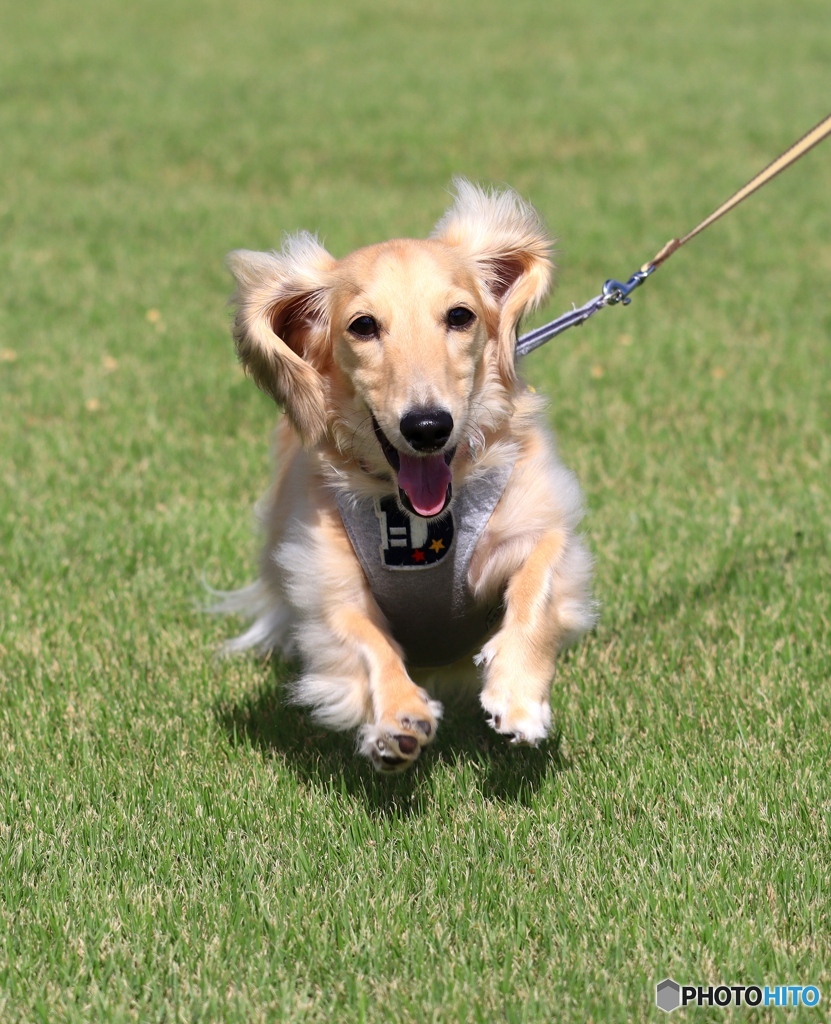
[(406, 744), (389, 752), (521, 725), (418, 725), (393, 745)]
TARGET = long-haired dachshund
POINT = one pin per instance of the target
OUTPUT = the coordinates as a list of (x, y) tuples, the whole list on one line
[(420, 525)]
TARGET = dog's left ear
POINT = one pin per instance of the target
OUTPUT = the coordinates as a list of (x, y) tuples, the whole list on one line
[(505, 238)]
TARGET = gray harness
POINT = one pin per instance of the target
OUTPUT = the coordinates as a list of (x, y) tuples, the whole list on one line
[(418, 568)]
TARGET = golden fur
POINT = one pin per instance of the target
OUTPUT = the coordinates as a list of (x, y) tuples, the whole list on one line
[(297, 313)]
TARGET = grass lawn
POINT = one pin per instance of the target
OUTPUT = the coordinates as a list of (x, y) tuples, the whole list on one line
[(176, 845)]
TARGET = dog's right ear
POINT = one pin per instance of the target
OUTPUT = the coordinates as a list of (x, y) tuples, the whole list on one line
[(281, 328)]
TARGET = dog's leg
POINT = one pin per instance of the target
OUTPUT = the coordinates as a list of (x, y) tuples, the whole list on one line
[(355, 676), (519, 659), (354, 672), (404, 716)]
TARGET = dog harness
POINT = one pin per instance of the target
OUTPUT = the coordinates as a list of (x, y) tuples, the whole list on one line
[(418, 568)]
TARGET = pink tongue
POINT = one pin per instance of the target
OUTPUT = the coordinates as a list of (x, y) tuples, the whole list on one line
[(424, 480)]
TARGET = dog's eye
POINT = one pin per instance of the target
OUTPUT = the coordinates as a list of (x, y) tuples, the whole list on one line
[(364, 327), (459, 316)]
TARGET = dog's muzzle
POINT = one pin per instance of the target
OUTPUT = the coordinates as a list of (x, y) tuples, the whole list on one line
[(424, 479)]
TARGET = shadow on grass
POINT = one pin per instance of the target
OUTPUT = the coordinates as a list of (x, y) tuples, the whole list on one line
[(740, 571), (268, 723), (670, 603)]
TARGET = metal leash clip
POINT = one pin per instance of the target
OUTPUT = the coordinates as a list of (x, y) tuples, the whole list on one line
[(618, 291)]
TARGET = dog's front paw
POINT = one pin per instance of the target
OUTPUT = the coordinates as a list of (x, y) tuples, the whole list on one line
[(396, 740), (522, 723)]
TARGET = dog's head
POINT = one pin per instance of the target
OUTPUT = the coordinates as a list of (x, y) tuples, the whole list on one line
[(400, 355)]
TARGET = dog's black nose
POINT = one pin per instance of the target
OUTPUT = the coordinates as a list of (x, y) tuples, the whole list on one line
[(427, 430)]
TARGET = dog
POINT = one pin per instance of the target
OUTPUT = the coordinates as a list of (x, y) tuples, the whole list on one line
[(421, 528)]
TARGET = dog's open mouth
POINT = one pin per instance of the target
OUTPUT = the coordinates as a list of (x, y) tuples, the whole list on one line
[(424, 485)]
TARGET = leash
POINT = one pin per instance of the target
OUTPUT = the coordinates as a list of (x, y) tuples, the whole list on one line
[(615, 292)]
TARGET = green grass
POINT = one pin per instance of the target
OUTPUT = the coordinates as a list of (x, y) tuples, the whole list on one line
[(176, 845)]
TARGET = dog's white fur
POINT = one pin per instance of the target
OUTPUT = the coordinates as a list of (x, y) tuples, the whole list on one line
[(490, 255)]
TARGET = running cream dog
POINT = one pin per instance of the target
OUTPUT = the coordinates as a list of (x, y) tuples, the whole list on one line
[(421, 523)]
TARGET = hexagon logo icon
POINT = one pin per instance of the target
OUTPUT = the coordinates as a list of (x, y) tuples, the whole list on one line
[(668, 995)]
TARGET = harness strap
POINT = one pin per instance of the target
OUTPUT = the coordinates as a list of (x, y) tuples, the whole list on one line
[(620, 291)]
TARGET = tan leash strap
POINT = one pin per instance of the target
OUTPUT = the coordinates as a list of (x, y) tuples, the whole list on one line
[(790, 156), (621, 291)]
